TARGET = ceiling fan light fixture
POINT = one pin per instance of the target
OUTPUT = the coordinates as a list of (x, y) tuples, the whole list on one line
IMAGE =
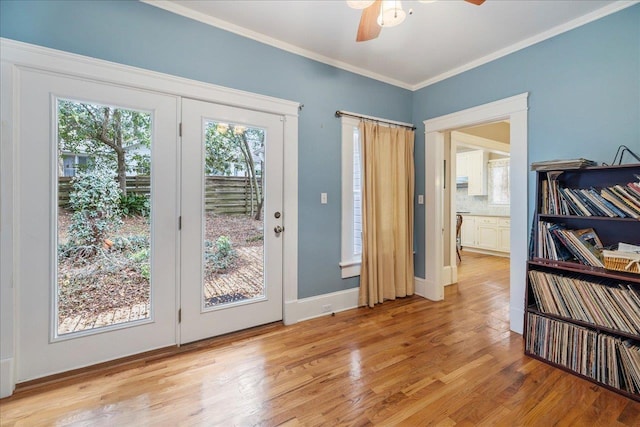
[(359, 4), (391, 13)]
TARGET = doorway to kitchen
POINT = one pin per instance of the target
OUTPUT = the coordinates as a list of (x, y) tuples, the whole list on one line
[(438, 214), (480, 198), (479, 195)]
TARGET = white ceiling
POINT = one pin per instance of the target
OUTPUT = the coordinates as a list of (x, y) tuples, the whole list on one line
[(438, 40)]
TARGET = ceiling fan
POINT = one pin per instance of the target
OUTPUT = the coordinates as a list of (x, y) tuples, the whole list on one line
[(378, 13)]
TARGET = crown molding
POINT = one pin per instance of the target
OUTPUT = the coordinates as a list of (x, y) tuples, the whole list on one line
[(244, 32), (173, 7), (568, 26)]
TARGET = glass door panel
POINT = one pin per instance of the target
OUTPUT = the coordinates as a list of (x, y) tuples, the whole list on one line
[(233, 202), (104, 216)]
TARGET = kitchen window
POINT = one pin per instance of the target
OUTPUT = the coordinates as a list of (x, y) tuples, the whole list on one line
[(499, 182)]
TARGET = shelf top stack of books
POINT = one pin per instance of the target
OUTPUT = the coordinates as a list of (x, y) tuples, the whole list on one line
[(548, 165)]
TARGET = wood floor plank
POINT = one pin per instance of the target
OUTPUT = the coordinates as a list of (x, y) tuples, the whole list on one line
[(406, 362)]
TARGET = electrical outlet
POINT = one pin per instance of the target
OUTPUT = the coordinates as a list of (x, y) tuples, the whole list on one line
[(326, 308), (420, 199)]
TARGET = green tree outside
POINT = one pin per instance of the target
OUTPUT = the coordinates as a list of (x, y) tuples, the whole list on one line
[(105, 133)]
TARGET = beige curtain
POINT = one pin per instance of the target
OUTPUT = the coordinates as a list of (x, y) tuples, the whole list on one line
[(387, 213)]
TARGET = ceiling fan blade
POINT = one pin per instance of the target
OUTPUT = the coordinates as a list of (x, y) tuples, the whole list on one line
[(476, 2), (369, 28)]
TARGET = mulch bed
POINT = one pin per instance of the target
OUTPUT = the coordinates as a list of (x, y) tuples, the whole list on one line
[(103, 291), (242, 230)]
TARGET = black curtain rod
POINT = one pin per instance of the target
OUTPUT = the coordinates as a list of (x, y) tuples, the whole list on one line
[(342, 113)]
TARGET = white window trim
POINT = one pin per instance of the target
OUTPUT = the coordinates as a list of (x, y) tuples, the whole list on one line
[(350, 263)]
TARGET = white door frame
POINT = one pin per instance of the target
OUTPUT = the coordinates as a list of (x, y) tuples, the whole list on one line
[(18, 54), (513, 109)]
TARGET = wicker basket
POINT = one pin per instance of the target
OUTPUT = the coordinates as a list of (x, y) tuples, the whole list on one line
[(622, 261)]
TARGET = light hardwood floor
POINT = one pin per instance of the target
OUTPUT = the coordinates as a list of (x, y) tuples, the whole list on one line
[(406, 362)]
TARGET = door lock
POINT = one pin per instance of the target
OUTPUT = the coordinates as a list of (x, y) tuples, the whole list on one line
[(277, 215), (278, 229)]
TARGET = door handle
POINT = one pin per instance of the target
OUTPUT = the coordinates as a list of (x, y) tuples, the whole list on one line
[(278, 229)]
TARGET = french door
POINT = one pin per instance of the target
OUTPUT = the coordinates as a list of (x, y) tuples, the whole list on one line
[(102, 192), (95, 281), (231, 219)]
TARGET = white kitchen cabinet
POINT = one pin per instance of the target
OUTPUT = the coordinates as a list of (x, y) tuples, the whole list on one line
[(477, 169), (488, 233), (473, 165), (504, 234), (468, 231), (462, 164)]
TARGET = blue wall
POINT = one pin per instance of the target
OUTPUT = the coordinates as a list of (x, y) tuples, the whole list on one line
[(134, 33), (584, 96)]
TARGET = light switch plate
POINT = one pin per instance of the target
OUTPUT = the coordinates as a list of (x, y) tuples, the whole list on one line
[(323, 198)]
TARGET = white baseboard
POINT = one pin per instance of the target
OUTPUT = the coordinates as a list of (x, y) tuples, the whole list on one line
[(420, 285), (450, 275), (7, 380), (321, 305), (516, 320), (433, 292), (486, 252), (427, 289), (312, 307)]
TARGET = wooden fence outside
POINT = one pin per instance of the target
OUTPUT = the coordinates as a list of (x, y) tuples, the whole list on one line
[(223, 194)]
